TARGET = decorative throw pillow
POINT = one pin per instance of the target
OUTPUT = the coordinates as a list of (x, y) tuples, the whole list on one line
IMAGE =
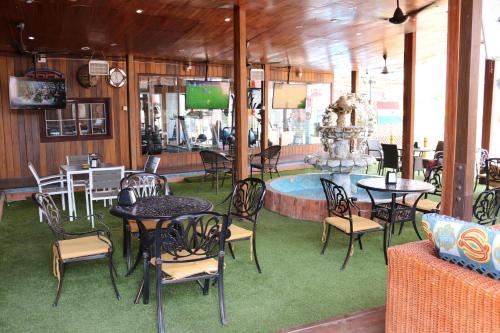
[(467, 244)]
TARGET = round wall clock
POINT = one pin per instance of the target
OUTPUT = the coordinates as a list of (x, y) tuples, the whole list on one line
[(84, 78), (117, 77)]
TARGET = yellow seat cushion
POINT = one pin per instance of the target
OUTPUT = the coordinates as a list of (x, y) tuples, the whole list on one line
[(238, 233), (359, 223), (423, 204), (83, 247), (149, 224), (493, 184), (180, 270)]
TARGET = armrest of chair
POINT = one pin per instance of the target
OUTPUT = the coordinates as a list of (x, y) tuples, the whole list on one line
[(61, 176), (58, 181)]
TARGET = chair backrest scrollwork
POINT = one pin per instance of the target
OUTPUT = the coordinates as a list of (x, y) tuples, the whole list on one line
[(337, 201), (51, 213), (146, 184), (247, 199), (487, 206)]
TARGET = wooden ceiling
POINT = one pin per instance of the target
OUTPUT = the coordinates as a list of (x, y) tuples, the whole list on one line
[(318, 34)]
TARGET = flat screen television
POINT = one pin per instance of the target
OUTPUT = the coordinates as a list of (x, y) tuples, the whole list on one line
[(289, 96), (207, 95), (30, 93)]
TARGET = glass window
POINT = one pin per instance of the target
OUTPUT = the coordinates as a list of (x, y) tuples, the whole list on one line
[(91, 116)]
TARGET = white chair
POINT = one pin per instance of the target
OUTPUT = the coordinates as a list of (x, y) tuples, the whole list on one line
[(150, 166), (104, 184), (51, 185), (77, 160)]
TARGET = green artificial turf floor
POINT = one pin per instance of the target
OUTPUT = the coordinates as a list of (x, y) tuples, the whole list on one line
[(297, 284)]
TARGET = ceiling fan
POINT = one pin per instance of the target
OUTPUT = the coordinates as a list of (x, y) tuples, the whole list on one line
[(399, 17)]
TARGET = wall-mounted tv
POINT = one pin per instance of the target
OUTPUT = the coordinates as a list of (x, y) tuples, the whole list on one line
[(30, 93), (207, 95), (289, 96)]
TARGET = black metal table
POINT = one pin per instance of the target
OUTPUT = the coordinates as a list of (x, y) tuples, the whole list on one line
[(393, 212), (156, 208)]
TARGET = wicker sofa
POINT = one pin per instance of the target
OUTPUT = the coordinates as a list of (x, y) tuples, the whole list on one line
[(426, 294)]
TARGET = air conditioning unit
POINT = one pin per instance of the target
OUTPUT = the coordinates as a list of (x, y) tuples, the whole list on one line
[(98, 67)]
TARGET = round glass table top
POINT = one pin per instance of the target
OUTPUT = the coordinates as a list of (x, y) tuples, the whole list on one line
[(402, 185)]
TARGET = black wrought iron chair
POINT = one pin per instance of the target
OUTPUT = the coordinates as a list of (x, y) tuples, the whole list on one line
[(266, 161), (487, 206), (341, 218), (190, 248), (71, 247), (492, 173), (246, 202), (375, 150), (423, 203), (145, 185), (481, 167), (215, 163), (391, 157)]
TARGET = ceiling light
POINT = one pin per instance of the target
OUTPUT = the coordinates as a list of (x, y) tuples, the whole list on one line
[(113, 44), (358, 33), (85, 48), (227, 19), (31, 37), (139, 11), (299, 27)]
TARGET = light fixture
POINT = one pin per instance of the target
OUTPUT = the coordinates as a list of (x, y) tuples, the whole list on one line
[(139, 11), (299, 26), (113, 44), (385, 70), (359, 33), (227, 19), (85, 48), (31, 37)]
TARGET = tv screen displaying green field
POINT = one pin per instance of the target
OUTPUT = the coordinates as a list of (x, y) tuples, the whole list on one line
[(289, 96), (207, 95)]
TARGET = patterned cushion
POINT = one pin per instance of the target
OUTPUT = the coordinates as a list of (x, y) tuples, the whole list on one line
[(467, 244)]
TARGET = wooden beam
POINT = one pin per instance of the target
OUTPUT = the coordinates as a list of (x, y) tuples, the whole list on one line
[(240, 91), (489, 86), (265, 108), (468, 79), (450, 118), (133, 113), (409, 103), (354, 90)]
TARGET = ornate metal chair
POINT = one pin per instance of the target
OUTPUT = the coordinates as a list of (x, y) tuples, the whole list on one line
[(53, 185), (266, 161), (339, 207), (487, 206), (423, 204), (215, 163), (144, 185), (246, 202), (74, 247), (492, 173), (481, 167), (190, 248)]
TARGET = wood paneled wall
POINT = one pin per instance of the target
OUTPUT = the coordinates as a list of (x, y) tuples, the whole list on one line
[(20, 129)]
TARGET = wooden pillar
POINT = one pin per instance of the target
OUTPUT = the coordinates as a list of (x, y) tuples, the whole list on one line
[(265, 107), (409, 103), (450, 117), (133, 113), (469, 17), (240, 91), (354, 90), (489, 86)]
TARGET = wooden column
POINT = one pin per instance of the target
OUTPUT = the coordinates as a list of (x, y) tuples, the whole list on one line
[(265, 108), (489, 86), (450, 117), (133, 113), (354, 90), (409, 103), (240, 91), (464, 141)]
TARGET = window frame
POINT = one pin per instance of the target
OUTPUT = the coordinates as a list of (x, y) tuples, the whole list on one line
[(79, 137)]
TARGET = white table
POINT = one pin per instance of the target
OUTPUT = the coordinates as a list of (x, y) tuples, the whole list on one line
[(70, 171)]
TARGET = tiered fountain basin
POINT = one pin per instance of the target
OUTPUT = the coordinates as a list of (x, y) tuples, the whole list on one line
[(302, 197)]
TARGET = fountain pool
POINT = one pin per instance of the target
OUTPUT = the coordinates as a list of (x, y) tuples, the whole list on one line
[(302, 196)]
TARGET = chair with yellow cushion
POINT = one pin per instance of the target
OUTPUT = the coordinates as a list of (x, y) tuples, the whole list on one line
[(340, 217), (246, 202), (74, 247), (145, 185), (190, 248), (492, 173)]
